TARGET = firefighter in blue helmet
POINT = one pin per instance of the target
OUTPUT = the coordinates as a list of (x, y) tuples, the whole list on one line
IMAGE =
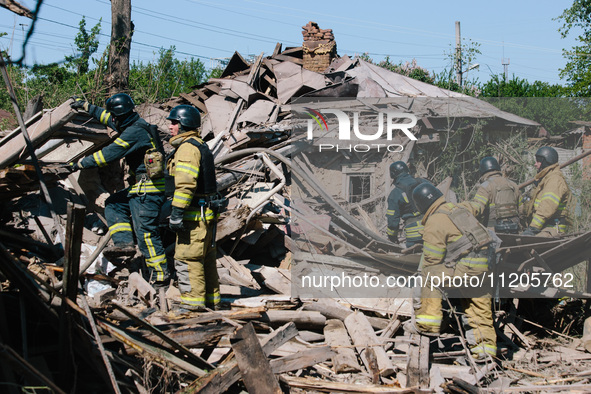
[(135, 209), (401, 206)]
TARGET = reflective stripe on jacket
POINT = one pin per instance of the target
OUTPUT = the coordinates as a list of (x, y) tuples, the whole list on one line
[(485, 200), (132, 143), (549, 198), (185, 166)]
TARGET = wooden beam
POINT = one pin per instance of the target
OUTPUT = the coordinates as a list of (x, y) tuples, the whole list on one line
[(153, 351), (191, 357), (289, 59), (73, 245), (194, 101), (417, 369), (301, 360), (312, 384), (254, 366), (9, 355), (302, 319), (363, 336), (333, 310), (220, 379), (338, 339), (240, 272), (17, 8), (39, 132), (277, 50)]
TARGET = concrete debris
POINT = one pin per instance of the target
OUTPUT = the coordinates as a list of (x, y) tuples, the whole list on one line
[(268, 334)]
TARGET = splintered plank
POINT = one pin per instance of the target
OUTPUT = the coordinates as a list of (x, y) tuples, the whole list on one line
[(276, 279), (220, 379), (160, 354), (302, 319), (195, 101), (364, 337), (333, 310), (39, 132), (256, 372), (327, 386), (337, 338), (301, 360), (417, 370), (238, 272)]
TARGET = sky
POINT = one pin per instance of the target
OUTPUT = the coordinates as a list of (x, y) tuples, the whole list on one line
[(523, 32)]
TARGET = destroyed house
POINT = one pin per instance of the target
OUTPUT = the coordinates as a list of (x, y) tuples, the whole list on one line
[(287, 197)]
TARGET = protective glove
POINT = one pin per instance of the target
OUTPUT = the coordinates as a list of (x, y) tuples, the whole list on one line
[(176, 219), (79, 103), (530, 231), (72, 167)]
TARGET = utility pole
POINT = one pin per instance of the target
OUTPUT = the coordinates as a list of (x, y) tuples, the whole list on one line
[(505, 63), (458, 55), (117, 78)]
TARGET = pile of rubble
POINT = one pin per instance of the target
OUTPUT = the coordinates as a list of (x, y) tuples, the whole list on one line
[(116, 333)]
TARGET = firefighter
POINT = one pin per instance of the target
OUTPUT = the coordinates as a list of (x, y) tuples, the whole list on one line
[(136, 208), (401, 206), (497, 200), (546, 211), (447, 250), (193, 217)]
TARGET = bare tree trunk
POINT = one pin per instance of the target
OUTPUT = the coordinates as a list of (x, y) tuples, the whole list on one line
[(117, 78)]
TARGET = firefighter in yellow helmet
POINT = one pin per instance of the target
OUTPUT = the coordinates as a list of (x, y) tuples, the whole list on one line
[(546, 211), (192, 217), (453, 252)]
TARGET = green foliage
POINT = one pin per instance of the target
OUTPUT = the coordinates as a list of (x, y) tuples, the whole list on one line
[(461, 148), (578, 67), (86, 45), (165, 78), (581, 189), (497, 86), (215, 73), (555, 114), (84, 75), (410, 69), (465, 57)]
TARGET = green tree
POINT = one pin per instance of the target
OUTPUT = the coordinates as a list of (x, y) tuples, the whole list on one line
[(86, 44), (467, 55), (578, 67), (497, 86), (539, 101), (166, 77), (215, 73)]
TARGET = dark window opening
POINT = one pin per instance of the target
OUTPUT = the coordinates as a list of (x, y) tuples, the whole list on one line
[(359, 187)]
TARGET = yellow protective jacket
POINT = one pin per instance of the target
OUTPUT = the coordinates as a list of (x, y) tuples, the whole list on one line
[(439, 238), (185, 168), (440, 232), (549, 200), (486, 199)]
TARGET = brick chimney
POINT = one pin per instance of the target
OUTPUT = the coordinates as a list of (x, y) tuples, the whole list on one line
[(319, 47)]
